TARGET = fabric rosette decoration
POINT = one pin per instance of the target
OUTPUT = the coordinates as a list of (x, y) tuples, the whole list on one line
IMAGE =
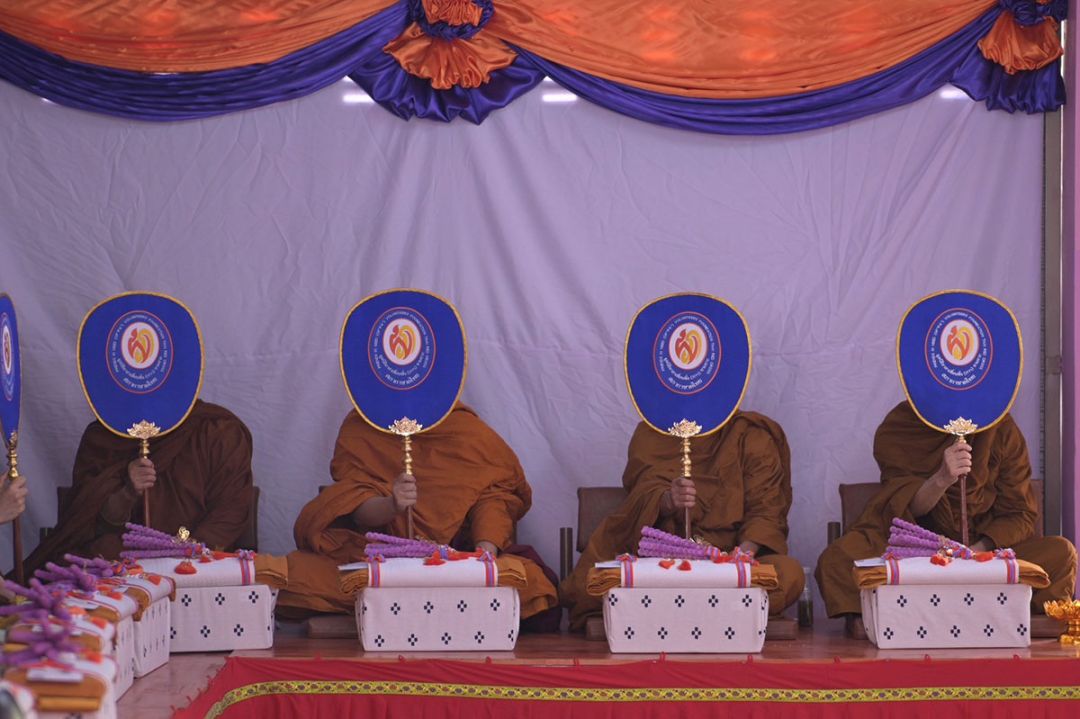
[(446, 43), (1025, 36)]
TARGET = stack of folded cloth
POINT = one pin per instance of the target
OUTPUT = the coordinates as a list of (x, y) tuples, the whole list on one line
[(193, 565), (393, 561), (41, 654), (689, 563), (918, 556)]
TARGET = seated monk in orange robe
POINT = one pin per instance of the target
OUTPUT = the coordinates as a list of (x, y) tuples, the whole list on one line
[(198, 476), (739, 496), (919, 472), (468, 492)]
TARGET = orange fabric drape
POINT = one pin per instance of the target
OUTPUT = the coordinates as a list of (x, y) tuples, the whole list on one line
[(180, 35), (730, 50), (692, 48)]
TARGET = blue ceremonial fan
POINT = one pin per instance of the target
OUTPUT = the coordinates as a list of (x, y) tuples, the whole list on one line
[(687, 357), (10, 398), (10, 372), (960, 357), (403, 359), (140, 360), (687, 366)]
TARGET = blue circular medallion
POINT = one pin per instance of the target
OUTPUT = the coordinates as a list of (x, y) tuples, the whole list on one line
[(139, 352), (401, 348), (686, 353), (7, 357), (959, 349)]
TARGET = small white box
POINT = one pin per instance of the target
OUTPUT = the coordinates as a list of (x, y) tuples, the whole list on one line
[(911, 616), (426, 619), (152, 637), (214, 619), (684, 621), (125, 655)]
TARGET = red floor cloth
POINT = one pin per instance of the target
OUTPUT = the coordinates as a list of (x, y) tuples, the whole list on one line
[(344, 689)]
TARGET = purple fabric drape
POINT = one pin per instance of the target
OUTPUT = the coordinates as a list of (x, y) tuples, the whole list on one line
[(955, 60), (358, 53)]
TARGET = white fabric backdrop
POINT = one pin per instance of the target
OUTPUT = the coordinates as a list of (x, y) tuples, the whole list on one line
[(548, 226)]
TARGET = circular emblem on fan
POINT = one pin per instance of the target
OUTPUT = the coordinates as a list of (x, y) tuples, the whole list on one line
[(959, 349), (686, 354), (139, 352), (7, 357), (401, 348)]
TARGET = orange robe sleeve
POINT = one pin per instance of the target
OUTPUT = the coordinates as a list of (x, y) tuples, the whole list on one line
[(1013, 514), (500, 506), (767, 492), (324, 525), (227, 456)]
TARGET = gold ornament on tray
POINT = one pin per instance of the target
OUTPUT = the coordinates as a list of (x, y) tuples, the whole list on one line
[(406, 428), (685, 429), (1068, 611)]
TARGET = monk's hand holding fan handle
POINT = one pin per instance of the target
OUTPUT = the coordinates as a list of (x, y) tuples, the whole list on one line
[(12, 498), (404, 492), (141, 475), (955, 463), (683, 493)]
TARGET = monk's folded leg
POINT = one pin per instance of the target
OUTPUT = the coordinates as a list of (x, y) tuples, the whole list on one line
[(314, 587), (836, 581), (540, 594), (1057, 556), (792, 579)]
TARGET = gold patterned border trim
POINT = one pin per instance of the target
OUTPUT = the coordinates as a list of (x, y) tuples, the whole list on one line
[(673, 694)]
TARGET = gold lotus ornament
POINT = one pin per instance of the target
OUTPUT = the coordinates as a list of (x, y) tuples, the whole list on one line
[(961, 427), (1068, 611)]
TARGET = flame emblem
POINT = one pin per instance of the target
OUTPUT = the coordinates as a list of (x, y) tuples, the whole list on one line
[(402, 341), (687, 346), (140, 344), (959, 342)]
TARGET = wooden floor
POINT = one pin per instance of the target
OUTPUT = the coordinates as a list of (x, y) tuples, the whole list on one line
[(173, 685)]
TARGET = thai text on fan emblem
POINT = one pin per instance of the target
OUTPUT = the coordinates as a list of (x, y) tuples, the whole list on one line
[(959, 349), (139, 352), (686, 353), (401, 348)]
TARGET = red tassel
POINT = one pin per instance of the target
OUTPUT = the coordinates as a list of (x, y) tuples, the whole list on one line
[(939, 560), (185, 567), (667, 563), (434, 560), (983, 556), (685, 566)]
